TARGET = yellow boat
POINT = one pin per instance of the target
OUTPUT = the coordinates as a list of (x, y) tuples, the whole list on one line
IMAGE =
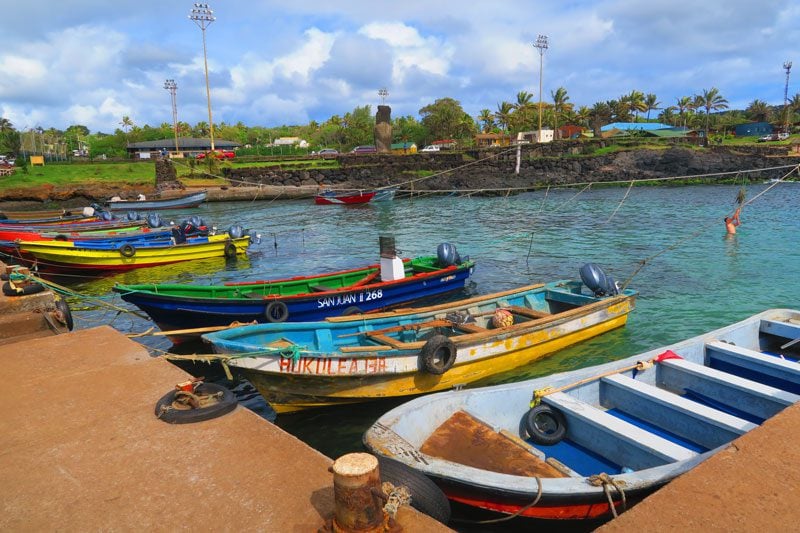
[(406, 352), (64, 257)]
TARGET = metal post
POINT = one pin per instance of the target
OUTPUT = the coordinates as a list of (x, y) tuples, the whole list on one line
[(788, 67), (203, 16), (541, 45)]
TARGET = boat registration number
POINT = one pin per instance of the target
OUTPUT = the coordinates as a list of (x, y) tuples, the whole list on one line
[(354, 298)]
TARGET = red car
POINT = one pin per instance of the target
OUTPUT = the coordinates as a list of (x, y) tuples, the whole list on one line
[(219, 154)]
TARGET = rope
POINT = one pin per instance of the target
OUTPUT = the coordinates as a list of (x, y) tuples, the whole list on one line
[(645, 261), (511, 516), (395, 498), (621, 202), (604, 480)]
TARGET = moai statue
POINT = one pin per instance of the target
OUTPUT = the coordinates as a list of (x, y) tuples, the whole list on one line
[(383, 129)]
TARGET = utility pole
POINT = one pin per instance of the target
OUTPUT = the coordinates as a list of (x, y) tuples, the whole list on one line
[(541, 45), (787, 65)]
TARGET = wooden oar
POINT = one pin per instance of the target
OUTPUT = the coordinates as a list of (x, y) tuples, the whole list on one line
[(429, 324), (208, 329)]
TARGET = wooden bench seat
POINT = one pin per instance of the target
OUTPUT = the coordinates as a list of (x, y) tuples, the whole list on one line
[(524, 311)]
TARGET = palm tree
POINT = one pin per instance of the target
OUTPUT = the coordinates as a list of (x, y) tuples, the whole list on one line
[(600, 114), (126, 124), (620, 109), (711, 100), (582, 116), (651, 102), (560, 99), (6, 125), (667, 115), (486, 119), (683, 104), (635, 102), (758, 111), (503, 114)]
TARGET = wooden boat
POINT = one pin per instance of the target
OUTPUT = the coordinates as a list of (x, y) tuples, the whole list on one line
[(51, 221), (302, 298), (64, 257), (181, 202), (343, 198), (407, 352), (26, 215), (627, 426)]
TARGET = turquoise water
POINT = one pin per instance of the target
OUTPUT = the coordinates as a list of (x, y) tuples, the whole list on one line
[(704, 282)]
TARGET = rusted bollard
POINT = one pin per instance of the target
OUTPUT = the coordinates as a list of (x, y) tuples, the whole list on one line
[(357, 494)]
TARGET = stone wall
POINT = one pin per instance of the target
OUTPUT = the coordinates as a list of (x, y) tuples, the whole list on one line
[(495, 168)]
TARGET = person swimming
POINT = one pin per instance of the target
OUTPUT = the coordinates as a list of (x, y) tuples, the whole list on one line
[(732, 222)]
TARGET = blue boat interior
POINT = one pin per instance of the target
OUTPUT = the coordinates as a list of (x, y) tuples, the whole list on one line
[(690, 401)]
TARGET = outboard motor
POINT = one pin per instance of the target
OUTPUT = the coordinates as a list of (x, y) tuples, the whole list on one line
[(154, 220), (132, 215), (105, 215), (196, 221), (597, 281), (255, 237), (447, 254), (236, 231)]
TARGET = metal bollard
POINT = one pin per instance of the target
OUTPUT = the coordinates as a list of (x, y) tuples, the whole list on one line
[(357, 494)]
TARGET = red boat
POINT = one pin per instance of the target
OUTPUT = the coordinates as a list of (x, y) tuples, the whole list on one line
[(329, 197)]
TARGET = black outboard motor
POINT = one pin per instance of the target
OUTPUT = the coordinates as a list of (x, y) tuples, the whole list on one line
[(597, 281), (132, 215), (236, 231), (154, 220), (196, 221), (447, 254)]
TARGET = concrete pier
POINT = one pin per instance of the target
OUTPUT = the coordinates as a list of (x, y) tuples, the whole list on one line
[(82, 450)]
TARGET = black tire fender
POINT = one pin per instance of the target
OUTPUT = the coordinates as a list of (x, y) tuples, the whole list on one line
[(11, 289), (545, 425), (276, 311), (227, 403), (127, 250), (438, 355), (63, 312), (230, 250), (426, 496)]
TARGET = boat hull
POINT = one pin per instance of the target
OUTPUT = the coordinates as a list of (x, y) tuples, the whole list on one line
[(173, 313), (63, 258), (187, 201), (344, 199), (633, 424), (295, 382)]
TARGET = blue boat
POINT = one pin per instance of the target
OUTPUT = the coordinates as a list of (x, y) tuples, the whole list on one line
[(180, 202), (301, 298), (580, 444)]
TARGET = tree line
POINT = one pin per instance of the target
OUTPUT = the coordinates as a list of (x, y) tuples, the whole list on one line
[(443, 119)]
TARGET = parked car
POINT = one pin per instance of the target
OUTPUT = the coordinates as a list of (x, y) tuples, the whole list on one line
[(364, 149), (7, 160), (219, 154), (430, 148), (774, 137), (328, 152)]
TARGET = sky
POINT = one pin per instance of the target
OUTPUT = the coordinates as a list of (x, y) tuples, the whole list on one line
[(91, 62)]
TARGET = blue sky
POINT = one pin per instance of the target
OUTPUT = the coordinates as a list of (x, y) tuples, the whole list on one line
[(91, 62)]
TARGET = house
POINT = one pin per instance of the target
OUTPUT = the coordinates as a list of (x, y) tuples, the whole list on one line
[(570, 131), (404, 148), (634, 126), (525, 137), (753, 128), (187, 146), (486, 140), (290, 141)]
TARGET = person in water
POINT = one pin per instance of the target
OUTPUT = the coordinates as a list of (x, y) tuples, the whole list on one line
[(732, 222)]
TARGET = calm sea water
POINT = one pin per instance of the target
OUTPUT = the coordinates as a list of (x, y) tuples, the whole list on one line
[(695, 279)]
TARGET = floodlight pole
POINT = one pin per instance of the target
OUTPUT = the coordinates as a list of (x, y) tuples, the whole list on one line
[(541, 45), (787, 65), (172, 87), (383, 93), (203, 16)]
